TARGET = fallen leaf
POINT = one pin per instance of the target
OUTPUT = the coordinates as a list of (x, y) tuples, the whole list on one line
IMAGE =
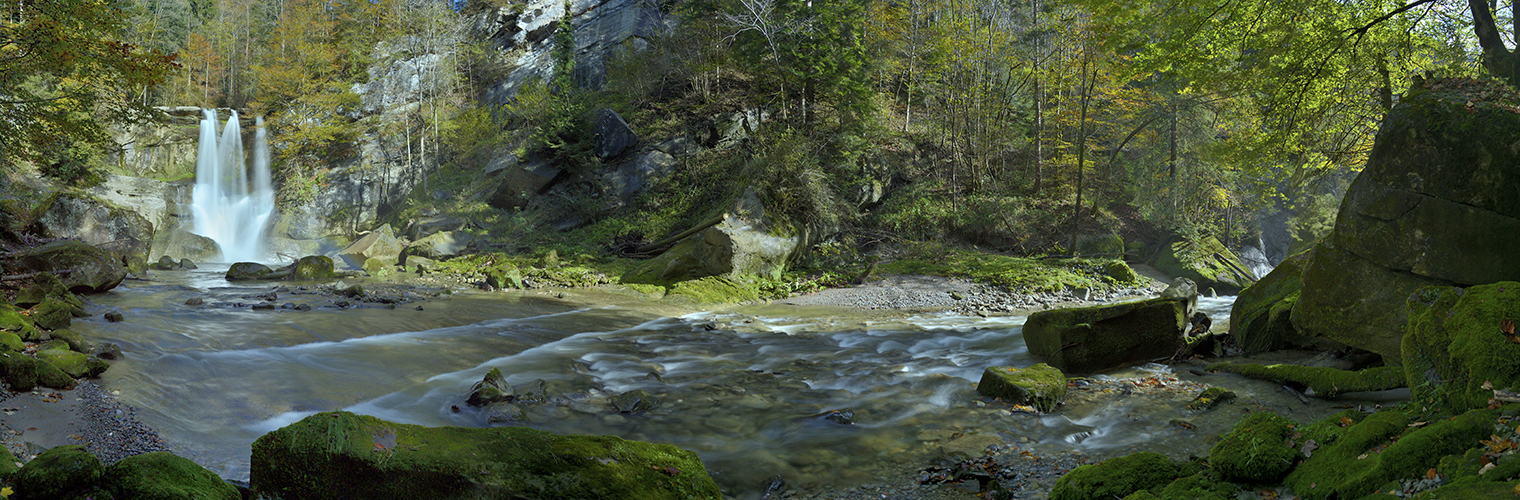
[(1362, 457), (1488, 385), (1309, 447), (1431, 474), (1508, 327), (1346, 422), (1486, 468), (1418, 424)]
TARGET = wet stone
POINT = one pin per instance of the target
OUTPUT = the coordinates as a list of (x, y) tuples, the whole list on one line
[(637, 401), (195, 301), (114, 316)]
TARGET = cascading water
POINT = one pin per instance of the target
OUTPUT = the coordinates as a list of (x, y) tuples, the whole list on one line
[(227, 208)]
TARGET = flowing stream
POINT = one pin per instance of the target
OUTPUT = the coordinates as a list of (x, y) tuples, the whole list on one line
[(743, 387)]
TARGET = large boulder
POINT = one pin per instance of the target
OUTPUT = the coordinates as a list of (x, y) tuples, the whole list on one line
[(343, 455), (80, 266), (179, 243), (122, 232), (428, 226), (639, 174), (313, 267), (1115, 477), (1207, 262), (744, 243), (1098, 338), (1256, 450), (518, 183), (245, 271), (1435, 205), (161, 475), (378, 244), (613, 135), (1457, 343), (58, 473), (1261, 318), (438, 246)]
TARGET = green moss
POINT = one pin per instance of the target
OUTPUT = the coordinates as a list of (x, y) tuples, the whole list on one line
[(343, 455), (1115, 478), (1040, 386), (23, 373), (1457, 466), (1120, 272), (1472, 490), (1197, 487), (163, 476), (1207, 262), (504, 276), (74, 340), (313, 267), (1092, 339), (1142, 495), (1261, 318), (1419, 450), (1210, 398), (715, 290), (8, 464), (51, 314), (1255, 451), (75, 364), (56, 472), (44, 285), (1019, 274), (1454, 344), (1343, 452), (1326, 382), (11, 320), (12, 342)]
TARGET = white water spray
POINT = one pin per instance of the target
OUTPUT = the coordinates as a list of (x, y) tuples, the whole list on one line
[(227, 209)]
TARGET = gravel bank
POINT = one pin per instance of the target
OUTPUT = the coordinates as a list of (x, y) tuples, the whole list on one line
[(939, 294), (31, 422)]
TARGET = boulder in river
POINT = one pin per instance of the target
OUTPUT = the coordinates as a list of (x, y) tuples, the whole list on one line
[(492, 389), (635, 401), (1207, 262), (58, 473), (80, 266), (343, 455), (313, 267), (1461, 344), (1098, 338), (244, 271), (1040, 386), (1261, 318)]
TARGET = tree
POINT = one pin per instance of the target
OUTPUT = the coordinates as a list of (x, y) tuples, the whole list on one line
[(63, 70)]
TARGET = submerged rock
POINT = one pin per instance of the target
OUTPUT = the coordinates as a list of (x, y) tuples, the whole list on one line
[(636, 401), (343, 455), (493, 389), (1040, 386), (1210, 398), (1093, 339)]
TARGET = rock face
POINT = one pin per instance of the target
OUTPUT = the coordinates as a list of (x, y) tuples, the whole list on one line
[(74, 214), (1261, 317), (518, 183), (1436, 205), (378, 244), (343, 455), (1039, 386), (1457, 341), (1207, 262), (89, 269), (438, 246), (613, 135), (1093, 339), (523, 34), (744, 243)]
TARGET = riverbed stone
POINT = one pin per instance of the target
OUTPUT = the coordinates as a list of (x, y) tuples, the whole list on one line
[(161, 475), (56, 473), (244, 271), (11, 320), (1210, 398), (635, 401), (313, 267), (334, 455), (74, 340), (1115, 477), (492, 389), (1207, 262), (43, 285), (1457, 342), (1097, 338), (1255, 451), (51, 314), (76, 214), (1040, 385), (81, 267)]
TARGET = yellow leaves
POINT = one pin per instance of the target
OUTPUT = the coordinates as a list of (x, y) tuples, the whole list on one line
[(1496, 445), (1345, 422), (7, 492)]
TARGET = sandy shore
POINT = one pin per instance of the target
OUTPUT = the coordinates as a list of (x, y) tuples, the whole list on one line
[(31, 422)]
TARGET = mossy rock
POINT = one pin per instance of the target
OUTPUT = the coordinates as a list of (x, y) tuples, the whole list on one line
[(245, 271), (8, 464), (23, 373), (51, 314), (504, 276), (492, 389), (1256, 450), (1349, 300), (75, 341), (12, 342), (1098, 338), (1210, 398), (1261, 318), (161, 475), (92, 270), (75, 364), (43, 285), (1482, 489), (1040, 386), (1419, 450), (313, 267), (1120, 272), (343, 455), (1339, 447), (1455, 344), (1195, 487), (715, 290), (1115, 477), (1325, 382), (56, 473), (379, 267), (1108, 245), (1207, 262)]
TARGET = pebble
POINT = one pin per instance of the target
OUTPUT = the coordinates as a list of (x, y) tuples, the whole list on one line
[(110, 429)]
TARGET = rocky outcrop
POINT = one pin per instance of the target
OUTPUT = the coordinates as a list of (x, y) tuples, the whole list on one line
[(165, 148), (613, 135), (1207, 262), (1261, 317), (522, 32), (438, 246), (745, 242), (80, 266), (343, 455), (75, 214), (378, 244), (1094, 339), (1461, 344), (1434, 206)]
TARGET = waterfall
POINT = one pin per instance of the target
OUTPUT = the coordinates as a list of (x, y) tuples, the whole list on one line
[(226, 208)]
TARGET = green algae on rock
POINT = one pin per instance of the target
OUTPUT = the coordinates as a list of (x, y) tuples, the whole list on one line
[(313, 267), (56, 473), (1261, 317), (161, 475), (23, 373), (1454, 344), (92, 270), (75, 364), (1207, 262), (343, 455), (1339, 447), (1210, 398), (1195, 487), (1040, 386), (1326, 382), (1255, 451), (1418, 450), (1093, 339), (1115, 477)]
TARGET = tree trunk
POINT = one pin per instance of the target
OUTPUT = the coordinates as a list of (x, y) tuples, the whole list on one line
[(1039, 102), (1497, 59)]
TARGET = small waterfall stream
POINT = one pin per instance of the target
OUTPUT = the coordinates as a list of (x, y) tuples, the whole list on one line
[(228, 207)]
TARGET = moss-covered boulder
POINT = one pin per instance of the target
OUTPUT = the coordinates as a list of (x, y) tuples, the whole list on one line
[(491, 389), (1419, 450), (12, 342), (119, 231), (313, 267), (1343, 443), (43, 285), (1255, 451), (90, 269), (1115, 478), (51, 314), (1455, 344), (23, 373), (1207, 262), (438, 246), (1097, 338), (1195, 487), (715, 290), (1352, 301), (1040, 386), (746, 242), (161, 475), (245, 271), (1323, 382), (504, 276), (1261, 317), (11, 320), (1120, 272), (56, 473), (343, 455), (380, 244), (75, 341), (8, 464), (75, 364)]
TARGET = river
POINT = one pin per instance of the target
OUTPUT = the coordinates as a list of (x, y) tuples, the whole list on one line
[(744, 387)]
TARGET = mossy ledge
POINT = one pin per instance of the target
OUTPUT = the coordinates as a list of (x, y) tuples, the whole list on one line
[(1326, 382), (344, 455)]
